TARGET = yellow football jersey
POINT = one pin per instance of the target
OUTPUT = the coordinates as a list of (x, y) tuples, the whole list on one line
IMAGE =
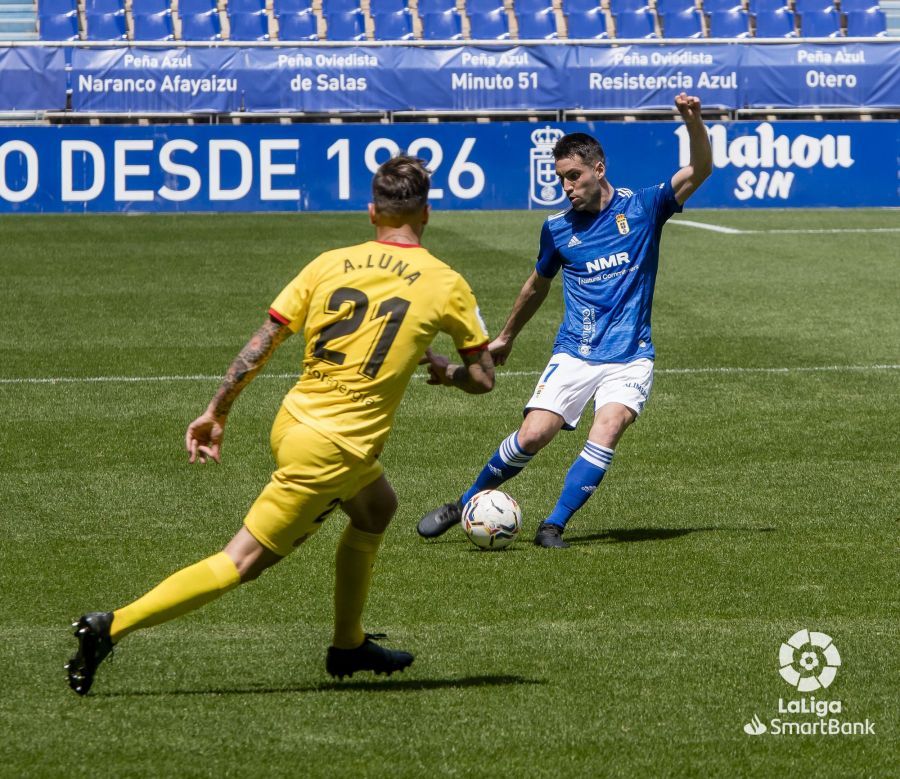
[(368, 313)]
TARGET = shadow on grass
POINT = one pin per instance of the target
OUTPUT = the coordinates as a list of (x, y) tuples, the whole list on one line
[(632, 534), (388, 685)]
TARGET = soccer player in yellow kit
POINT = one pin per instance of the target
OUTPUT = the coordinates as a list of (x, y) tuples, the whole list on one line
[(368, 314)]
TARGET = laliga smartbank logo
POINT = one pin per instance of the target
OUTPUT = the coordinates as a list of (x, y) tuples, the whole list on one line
[(809, 661)]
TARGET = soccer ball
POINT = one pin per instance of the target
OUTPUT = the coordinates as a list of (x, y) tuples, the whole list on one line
[(492, 519)]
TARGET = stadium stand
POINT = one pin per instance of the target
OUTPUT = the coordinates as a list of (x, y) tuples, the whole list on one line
[(489, 26), (302, 26), (674, 6), (105, 27), (393, 26), (711, 6), (245, 7), (635, 24), (426, 7), (59, 27), (587, 25), (330, 7), (765, 6), (775, 24), (57, 7), (97, 7), (483, 6), (537, 25), (292, 6), (858, 5), (621, 6), (201, 27), (820, 24), (682, 24), (729, 24), (446, 26), (532, 6), (248, 27), (153, 27), (867, 23), (194, 7), (346, 26)]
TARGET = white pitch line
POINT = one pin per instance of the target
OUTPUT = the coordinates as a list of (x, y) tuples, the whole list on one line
[(705, 226), (422, 375)]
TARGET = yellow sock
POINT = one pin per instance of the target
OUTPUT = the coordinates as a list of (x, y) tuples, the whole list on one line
[(182, 592), (353, 571)]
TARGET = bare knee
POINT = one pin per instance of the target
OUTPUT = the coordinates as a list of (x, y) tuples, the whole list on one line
[(373, 507), (539, 429), (249, 556), (610, 422)]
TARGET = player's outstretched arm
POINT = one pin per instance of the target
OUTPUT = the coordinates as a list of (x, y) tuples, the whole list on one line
[(475, 376), (204, 435), (686, 181), (532, 295)]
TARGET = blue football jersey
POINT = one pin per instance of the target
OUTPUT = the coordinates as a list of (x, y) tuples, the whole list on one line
[(609, 262)]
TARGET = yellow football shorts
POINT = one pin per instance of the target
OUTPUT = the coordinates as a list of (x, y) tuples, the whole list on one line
[(314, 477)]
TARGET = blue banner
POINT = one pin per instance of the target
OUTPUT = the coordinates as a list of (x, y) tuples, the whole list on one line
[(321, 79), (33, 79), (305, 167), (853, 75)]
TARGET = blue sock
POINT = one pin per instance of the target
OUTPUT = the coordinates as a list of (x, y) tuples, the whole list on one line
[(505, 463), (581, 481)]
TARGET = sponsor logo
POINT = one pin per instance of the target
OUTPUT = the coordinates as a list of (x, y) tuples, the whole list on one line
[(574, 241), (809, 660), (602, 263), (545, 189)]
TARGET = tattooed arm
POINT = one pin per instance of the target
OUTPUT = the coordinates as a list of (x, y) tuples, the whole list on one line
[(204, 435)]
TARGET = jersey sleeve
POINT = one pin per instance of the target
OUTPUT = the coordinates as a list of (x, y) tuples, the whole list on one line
[(660, 202), (292, 304), (548, 260), (462, 319)]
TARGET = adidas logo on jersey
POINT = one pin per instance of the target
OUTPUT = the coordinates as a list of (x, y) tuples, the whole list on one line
[(573, 241)]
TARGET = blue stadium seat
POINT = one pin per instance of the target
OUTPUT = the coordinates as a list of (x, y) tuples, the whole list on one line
[(393, 26), (764, 6), (201, 27), (195, 7), (709, 6), (867, 24), (683, 24), (150, 7), (446, 26), (59, 27), (105, 27), (673, 6), (532, 6), (291, 6), (346, 26), (489, 27), (56, 7), (245, 7), (589, 25), (378, 7), (330, 7), (539, 25), (435, 6), (303, 26), (857, 5), (249, 27), (635, 24), (97, 7), (620, 6), (729, 24), (153, 27), (579, 6), (775, 24), (483, 6), (821, 24), (806, 6)]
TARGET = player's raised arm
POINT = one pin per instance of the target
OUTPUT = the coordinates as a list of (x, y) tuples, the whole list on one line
[(204, 435), (686, 181), (475, 375), (531, 296)]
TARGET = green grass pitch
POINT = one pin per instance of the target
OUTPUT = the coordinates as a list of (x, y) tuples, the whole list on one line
[(756, 496)]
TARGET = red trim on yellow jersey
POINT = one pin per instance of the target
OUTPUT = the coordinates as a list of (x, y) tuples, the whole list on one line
[(402, 245), (474, 349), (280, 317)]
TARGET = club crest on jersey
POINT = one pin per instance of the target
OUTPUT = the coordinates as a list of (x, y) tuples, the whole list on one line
[(622, 224), (546, 189)]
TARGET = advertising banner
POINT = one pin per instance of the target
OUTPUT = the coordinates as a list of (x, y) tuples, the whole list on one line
[(32, 79), (474, 166)]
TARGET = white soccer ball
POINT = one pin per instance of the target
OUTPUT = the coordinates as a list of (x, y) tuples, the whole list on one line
[(492, 519)]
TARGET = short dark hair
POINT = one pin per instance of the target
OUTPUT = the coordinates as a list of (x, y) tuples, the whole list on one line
[(400, 186), (579, 145)]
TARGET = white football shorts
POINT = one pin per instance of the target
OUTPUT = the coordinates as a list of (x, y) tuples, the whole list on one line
[(567, 384)]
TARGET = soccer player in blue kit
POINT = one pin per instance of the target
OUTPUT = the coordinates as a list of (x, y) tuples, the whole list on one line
[(607, 245)]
